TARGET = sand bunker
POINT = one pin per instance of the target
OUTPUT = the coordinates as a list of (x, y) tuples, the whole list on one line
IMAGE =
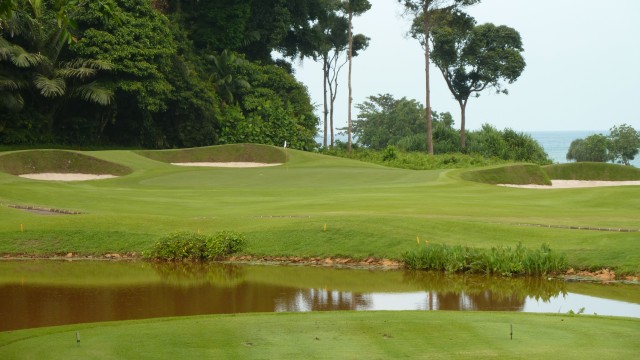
[(570, 184), (226, 164), (66, 177)]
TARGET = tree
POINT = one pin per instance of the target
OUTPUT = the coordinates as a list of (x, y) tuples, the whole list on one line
[(352, 7), (7, 7), (507, 145), (328, 39), (425, 13), (625, 143), (37, 70), (276, 108), (473, 58), (139, 43), (384, 120), (256, 29), (224, 81), (592, 148)]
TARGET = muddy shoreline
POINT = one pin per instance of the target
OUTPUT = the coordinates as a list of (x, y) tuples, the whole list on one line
[(605, 276)]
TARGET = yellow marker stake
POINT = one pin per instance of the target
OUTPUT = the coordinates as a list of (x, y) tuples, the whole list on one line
[(325, 227), (21, 228)]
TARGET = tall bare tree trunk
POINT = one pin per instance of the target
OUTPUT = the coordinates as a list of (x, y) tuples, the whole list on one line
[(350, 90), (463, 139), (427, 29), (325, 75)]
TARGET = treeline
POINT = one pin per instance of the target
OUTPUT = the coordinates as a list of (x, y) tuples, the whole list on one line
[(621, 145), (155, 74), (384, 121)]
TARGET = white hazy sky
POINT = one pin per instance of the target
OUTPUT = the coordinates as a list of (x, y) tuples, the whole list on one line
[(583, 65)]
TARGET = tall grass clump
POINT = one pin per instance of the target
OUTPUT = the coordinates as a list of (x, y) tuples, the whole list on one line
[(504, 261), (186, 246)]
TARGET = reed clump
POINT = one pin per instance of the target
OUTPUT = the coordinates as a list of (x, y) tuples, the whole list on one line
[(503, 261)]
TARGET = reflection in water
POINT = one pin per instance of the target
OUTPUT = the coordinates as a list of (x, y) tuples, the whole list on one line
[(34, 294), (462, 292)]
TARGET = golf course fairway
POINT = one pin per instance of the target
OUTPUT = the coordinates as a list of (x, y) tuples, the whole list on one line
[(310, 206)]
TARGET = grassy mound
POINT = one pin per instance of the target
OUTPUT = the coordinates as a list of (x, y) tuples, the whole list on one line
[(222, 153), (58, 161), (513, 174), (592, 171)]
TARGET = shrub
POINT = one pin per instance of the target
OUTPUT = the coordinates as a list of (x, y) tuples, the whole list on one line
[(186, 246), (389, 153)]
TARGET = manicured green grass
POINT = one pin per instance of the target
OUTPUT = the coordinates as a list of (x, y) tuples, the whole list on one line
[(336, 335), (368, 210)]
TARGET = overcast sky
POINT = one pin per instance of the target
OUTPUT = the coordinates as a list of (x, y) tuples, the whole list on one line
[(582, 73)]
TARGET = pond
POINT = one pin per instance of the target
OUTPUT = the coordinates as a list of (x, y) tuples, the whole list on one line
[(38, 293)]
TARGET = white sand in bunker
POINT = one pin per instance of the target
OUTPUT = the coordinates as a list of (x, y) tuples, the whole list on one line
[(66, 177), (571, 184), (226, 164)]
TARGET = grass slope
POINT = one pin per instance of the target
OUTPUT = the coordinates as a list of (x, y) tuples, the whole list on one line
[(368, 210), (592, 171), (332, 335), (221, 153), (58, 161), (512, 174)]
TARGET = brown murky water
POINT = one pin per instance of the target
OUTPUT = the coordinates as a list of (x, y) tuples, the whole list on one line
[(47, 293)]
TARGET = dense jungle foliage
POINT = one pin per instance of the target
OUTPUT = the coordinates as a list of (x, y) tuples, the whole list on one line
[(188, 73), (154, 74)]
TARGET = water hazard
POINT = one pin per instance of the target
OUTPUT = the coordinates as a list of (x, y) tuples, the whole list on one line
[(47, 293)]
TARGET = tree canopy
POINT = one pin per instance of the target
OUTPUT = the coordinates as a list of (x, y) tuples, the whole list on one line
[(594, 148), (622, 145), (425, 13), (473, 57), (625, 143), (153, 73)]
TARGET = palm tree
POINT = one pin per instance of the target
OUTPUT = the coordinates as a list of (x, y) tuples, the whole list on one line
[(31, 68), (224, 78)]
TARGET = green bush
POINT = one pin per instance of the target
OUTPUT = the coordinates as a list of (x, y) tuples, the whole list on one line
[(389, 153), (503, 261), (186, 246), (413, 160)]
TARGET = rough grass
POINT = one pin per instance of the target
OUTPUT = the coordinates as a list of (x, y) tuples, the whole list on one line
[(221, 153), (336, 335), (510, 174), (58, 161), (592, 171)]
